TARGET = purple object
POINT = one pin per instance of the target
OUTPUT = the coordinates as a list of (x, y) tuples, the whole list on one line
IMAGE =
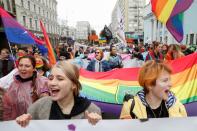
[(71, 127), (112, 111), (191, 109)]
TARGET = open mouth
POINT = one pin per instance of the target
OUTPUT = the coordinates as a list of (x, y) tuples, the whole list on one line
[(166, 91), (54, 92)]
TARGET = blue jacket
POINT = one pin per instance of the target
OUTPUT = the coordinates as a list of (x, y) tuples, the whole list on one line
[(104, 64)]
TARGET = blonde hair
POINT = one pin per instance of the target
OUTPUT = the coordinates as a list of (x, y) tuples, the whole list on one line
[(101, 52), (72, 72)]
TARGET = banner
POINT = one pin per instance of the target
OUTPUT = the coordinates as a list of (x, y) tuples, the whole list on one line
[(111, 86), (159, 124)]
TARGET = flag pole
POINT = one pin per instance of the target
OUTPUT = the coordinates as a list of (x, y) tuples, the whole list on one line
[(12, 53)]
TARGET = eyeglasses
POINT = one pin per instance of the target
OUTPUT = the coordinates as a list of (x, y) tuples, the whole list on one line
[(97, 52)]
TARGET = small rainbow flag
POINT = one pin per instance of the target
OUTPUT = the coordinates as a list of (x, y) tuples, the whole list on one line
[(111, 86), (170, 12)]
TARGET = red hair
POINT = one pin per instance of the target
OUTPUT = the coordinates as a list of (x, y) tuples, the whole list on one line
[(149, 73)]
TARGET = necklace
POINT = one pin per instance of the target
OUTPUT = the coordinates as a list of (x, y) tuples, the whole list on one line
[(155, 116)]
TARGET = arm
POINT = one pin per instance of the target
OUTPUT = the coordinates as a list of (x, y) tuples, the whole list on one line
[(8, 108), (23, 120), (93, 114), (90, 66)]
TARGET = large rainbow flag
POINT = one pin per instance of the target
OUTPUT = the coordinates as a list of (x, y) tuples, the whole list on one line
[(111, 86), (170, 12)]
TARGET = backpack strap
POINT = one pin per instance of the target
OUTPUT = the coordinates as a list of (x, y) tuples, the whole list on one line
[(128, 97), (131, 109)]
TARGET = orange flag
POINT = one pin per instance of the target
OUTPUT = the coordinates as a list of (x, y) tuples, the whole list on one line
[(51, 54)]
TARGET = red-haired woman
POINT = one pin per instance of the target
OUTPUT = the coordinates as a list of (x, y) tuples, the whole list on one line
[(155, 100), (174, 52)]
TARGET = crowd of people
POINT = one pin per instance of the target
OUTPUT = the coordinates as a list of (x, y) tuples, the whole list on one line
[(30, 88)]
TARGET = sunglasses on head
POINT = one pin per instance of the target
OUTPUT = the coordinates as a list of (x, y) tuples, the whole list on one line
[(97, 52)]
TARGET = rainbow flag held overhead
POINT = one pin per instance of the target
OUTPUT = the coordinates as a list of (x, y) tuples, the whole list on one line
[(111, 86), (170, 12)]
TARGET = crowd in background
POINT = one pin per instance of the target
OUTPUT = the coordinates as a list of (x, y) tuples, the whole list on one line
[(29, 69)]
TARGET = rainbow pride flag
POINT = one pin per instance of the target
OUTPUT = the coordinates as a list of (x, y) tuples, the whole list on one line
[(111, 86), (170, 12)]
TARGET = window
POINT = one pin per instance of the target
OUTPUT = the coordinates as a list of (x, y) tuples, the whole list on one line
[(196, 39), (28, 5), (39, 10), (166, 39), (186, 39), (30, 22), (22, 3), (160, 39), (24, 20), (191, 39), (35, 8), (36, 24), (8, 4)]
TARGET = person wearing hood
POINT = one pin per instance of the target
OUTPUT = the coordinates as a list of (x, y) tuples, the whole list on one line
[(98, 64), (155, 100)]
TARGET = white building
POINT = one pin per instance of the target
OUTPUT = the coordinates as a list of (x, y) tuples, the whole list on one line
[(82, 30), (155, 31), (9, 6), (132, 12), (72, 32), (30, 12)]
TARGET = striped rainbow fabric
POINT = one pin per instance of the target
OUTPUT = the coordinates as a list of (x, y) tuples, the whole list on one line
[(170, 12), (110, 87)]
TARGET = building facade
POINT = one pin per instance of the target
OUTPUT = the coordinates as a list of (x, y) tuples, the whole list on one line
[(9, 6), (30, 12), (156, 31), (82, 30), (72, 32), (132, 13)]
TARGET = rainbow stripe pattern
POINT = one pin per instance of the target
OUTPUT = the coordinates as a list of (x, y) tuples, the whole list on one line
[(111, 86), (170, 12)]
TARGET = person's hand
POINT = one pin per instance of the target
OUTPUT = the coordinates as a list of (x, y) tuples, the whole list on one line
[(23, 120), (92, 117)]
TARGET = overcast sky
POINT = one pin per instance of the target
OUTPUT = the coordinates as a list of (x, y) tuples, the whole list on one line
[(97, 12)]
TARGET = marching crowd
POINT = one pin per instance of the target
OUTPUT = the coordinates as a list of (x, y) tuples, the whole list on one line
[(30, 88)]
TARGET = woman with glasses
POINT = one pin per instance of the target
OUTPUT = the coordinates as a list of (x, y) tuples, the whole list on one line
[(155, 99), (98, 64)]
